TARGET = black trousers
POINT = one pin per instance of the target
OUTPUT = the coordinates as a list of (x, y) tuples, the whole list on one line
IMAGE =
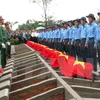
[(98, 49), (72, 51), (66, 47), (9, 51), (77, 48), (61, 46), (56, 44), (52, 43), (92, 54), (83, 50)]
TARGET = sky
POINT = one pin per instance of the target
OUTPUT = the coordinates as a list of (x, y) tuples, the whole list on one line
[(22, 10)]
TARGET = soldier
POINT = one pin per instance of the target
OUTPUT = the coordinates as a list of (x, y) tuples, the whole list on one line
[(76, 37), (60, 46), (2, 40), (8, 40), (98, 38), (40, 38), (52, 37), (57, 33), (91, 42), (65, 32), (84, 33), (71, 36)]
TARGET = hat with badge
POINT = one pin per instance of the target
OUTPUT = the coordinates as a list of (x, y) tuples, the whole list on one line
[(65, 23), (84, 19), (71, 21), (98, 13), (91, 16), (78, 20)]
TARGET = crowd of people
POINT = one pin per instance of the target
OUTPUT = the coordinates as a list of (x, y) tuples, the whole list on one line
[(76, 38), (24, 35)]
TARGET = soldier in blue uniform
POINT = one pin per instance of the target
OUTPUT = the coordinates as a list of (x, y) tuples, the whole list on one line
[(71, 36), (91, 41), (98, 38), (56, 37), (84, 34), (65, 32), (52, 37), (77, 37), (60, 39)]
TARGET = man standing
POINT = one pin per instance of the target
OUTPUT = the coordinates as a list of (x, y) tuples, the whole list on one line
[(65, 32), (24, 36), (98, 38), (8, 40), (84, 33), (91, 42), (71, 36), (2, 40), (77, 37)]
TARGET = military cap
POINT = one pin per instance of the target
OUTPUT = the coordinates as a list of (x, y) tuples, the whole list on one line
[(78, 20), (91, 16), (71, 21), (65, 23), (84, 19), (98, 13), (1, 19)]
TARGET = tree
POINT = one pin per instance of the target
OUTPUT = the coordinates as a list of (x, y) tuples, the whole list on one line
[(30, 25), (11, 24), (59, 21), (44, 4)]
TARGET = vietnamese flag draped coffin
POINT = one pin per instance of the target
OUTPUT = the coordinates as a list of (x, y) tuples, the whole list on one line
[(55, 62), (1, 71), (75, 68), (69, 66)]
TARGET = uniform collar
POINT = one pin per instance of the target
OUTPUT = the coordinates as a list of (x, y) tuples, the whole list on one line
[(92, 23), (78, 26), (84, 25)]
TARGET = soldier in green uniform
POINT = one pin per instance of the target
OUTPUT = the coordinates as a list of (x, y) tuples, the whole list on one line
[(2, 40), (8, 51)]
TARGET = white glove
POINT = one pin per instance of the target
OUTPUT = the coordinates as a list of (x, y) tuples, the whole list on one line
[(8, 43), (3, 45)]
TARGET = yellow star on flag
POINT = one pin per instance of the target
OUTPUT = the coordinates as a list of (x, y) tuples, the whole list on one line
[(61, 54), (79, 62)]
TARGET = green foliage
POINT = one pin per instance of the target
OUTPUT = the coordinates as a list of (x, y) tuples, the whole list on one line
[(14, 41), (12, 24)]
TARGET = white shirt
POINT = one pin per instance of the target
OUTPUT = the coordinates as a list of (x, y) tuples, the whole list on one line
[(36, 34), (33, 34)]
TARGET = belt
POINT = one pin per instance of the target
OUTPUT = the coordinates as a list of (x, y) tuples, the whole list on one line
[(91, 38), (66, 39), (77, 40), (83, 39)]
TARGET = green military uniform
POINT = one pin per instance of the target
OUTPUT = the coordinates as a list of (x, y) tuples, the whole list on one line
[(3, 50), (0, 50), (7, 35), (8, 45)]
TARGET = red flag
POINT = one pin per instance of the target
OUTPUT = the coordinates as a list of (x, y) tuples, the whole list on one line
[(75, 68), (83, 69), (54, 63), (1, 71)]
